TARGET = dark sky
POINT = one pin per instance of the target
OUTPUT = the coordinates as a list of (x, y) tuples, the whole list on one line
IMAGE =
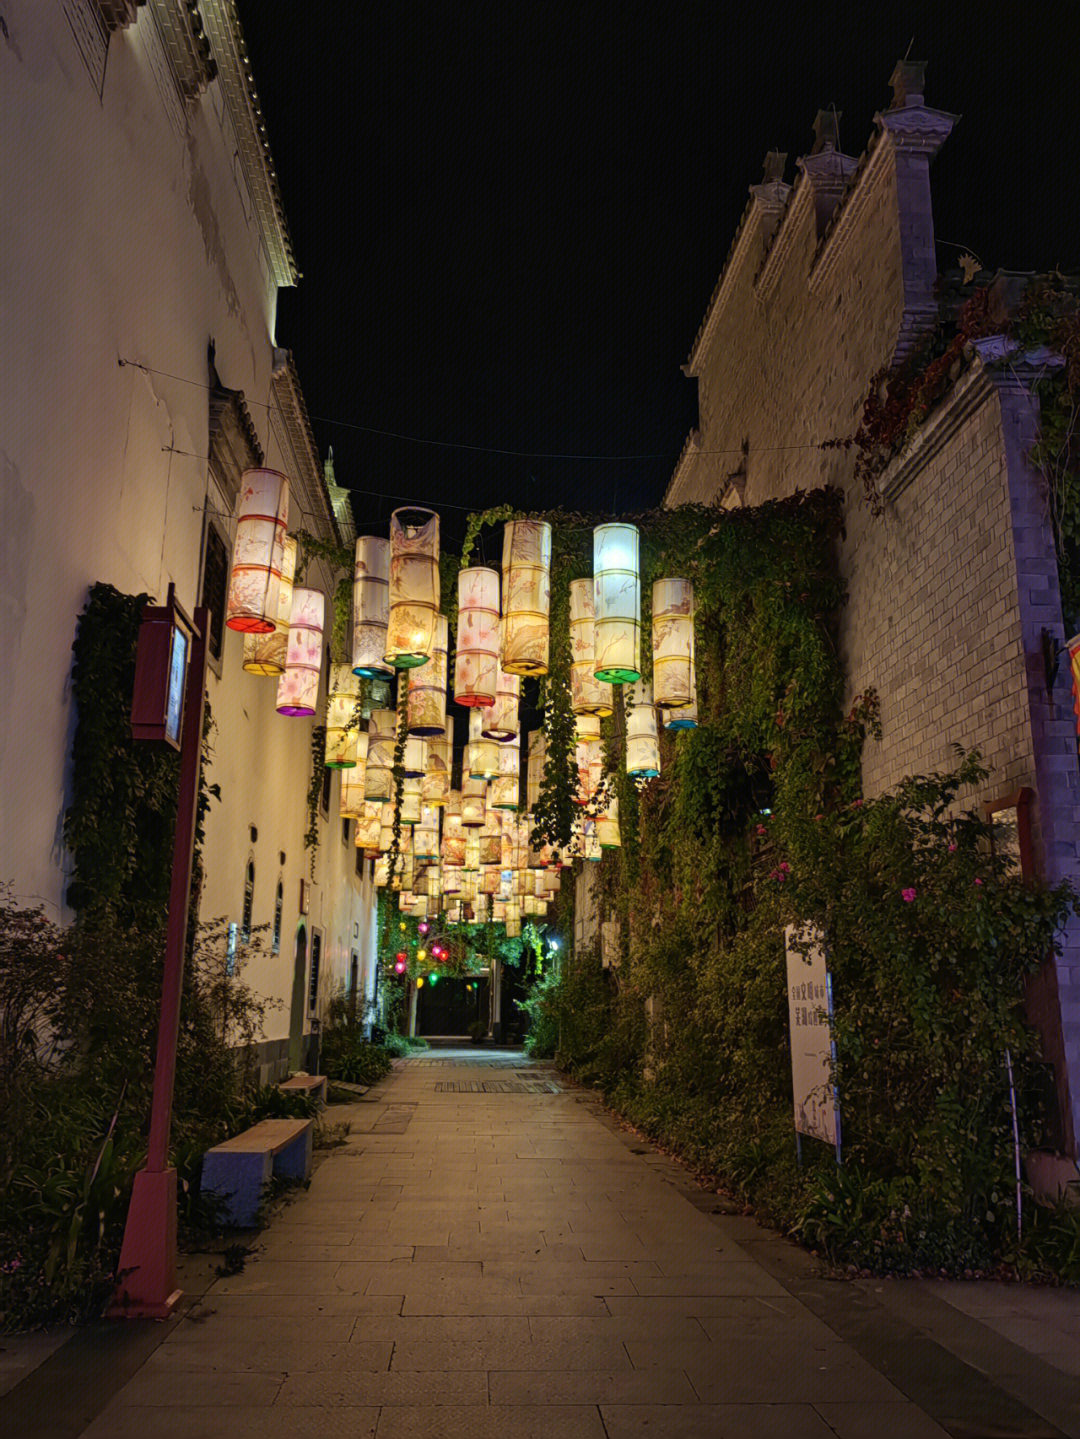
[(510, 218)]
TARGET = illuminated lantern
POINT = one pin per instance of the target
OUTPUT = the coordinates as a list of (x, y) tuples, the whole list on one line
[(642, 742), (534, 774), (414, 588), (482, 756), (426, 835), (491, 841), (481, 907), (476, 659), (498, 910), (420, 908), (617, 593), (451, 879), (262, 515), (526, 568), (431, 881), (590, 757), (684, 718), (427, 688), (369, 826), (472, 850), (371, 606), (266, 654), (607, 825), (440, 759), (473, 803), (342, 717), (500, 722), (382, 738), (490, 879), (673, 643), (414, 759), (513, 922), (386, 828), (506, 786), (410, 800), (589, 696), (298, 687), (353, 779)]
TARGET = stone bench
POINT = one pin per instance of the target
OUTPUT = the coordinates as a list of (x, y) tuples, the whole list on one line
[(238, 1170), (313, 1085)]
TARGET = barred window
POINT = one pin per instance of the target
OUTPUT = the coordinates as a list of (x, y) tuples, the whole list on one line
[(215, 586)]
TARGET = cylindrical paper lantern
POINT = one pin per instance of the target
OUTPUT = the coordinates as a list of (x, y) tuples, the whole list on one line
[(482, 755), (472, 850), (266, 654), (476, 660), (426, 835), (414, 587), (473, 802), (506, 786), (513, 923), (298, 687), (684, 718), (368, 826), (440, 760), (589, 696), (534, 774), (371, 606), (342, 717), (427, 689), (382, 738), (607, 825), (501, 722), (451, 879), (453, 841), (353, 779), (410, 799), (590, 757), (262, 516), (617, 592), (642, 742), (673, 642), (526, 566), (414, 759)]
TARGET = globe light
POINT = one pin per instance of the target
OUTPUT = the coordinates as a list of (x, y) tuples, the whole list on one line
[(421, 954), (401, 963), (423, 926), (419, 981)]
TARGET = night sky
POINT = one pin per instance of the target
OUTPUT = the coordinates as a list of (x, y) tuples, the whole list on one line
[(510, 218)]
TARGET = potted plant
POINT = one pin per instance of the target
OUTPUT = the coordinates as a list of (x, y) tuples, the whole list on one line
[(478, 1031)]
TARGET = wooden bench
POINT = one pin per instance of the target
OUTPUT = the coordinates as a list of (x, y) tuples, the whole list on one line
[(238, 1170), (313, 1085)]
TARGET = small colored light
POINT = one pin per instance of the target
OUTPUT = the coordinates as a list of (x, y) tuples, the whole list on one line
[(432, 978), (423, 926), (401, 963), (421, 954), (419, 981), (403, 926), (554, 943)]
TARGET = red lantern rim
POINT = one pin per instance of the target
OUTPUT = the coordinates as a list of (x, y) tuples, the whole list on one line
[(251, 625)]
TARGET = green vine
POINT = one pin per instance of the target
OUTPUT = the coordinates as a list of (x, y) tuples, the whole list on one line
[(314, 792)]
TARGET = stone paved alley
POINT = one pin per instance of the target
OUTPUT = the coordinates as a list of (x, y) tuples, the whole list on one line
[(488, 1255)]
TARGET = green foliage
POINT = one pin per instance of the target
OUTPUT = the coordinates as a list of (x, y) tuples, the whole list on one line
[(314, 792), (345, 1054)]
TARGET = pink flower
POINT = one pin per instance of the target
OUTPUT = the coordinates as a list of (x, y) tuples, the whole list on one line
[(856, 804), (952, 848), (907, 895), (785, 866), (761, 829), (978, 880)]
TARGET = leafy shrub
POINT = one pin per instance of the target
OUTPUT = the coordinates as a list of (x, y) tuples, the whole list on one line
[(348, 1056)]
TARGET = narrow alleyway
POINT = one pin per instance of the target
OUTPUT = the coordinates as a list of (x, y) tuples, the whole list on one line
[(488, 1256)]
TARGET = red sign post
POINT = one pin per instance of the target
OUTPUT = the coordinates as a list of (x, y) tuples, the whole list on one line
[(170, 683)]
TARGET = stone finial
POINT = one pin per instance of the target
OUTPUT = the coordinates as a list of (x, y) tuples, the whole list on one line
[(827, 130), (775, 161), (907, 82)]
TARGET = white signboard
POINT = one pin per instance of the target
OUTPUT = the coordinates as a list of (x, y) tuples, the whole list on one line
[(809, 1008)]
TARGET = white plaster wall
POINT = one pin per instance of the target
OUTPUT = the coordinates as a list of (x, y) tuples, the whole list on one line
[(126, 236)]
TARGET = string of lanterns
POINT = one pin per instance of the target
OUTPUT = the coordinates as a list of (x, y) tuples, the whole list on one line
[(464, 852)]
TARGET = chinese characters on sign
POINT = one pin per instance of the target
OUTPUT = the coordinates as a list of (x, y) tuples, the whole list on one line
[(809, 1008)]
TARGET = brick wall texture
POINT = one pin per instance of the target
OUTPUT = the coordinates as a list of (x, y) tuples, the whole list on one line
[(949, 589)]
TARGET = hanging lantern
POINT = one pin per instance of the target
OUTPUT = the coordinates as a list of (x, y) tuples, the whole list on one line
[(589, 696), (642, 742), (266, 654), (498, 910), (453, 841), (607, 825), (342, 717), (491, 842), (382, 740), (482, 756), (472, 850), (468, 886), (262, 515), (298, 687), (684, 718), (414, 587), (426, 835), (451, 879), (673, 642), (476, 659), (473, 803), (410, 799), (427, 688), (617, 592), (371, 606), (353, 778), (513, 923), (534, 773), (432, 881), (501, 722), (590, 757), (526, 573), (368, 826), (440, 759), (481, 907), (414, 760), (506, 786)]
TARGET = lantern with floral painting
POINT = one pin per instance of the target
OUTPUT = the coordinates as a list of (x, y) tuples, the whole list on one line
[(342, 717), (505, 791), (262, 516), (368, 826), (452, 850), (617, 593), (642, 741), (501, 722), (265, 654), (482, 755), (607, 825), (414, 587), (382, 740), (588, 695), (476, 658), (473, 802), (427, 689), (534, 772), (414, 759), (298, 687), (410, 799), (673, 643), (686, 717), (353, 779), (440, 759), (426, 835), (526, 567), (589, 754), (371, 606)]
